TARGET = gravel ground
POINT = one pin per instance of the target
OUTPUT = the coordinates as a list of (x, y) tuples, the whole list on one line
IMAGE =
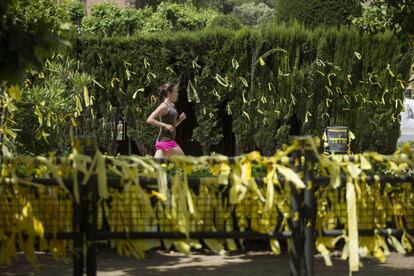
[(174, 264)]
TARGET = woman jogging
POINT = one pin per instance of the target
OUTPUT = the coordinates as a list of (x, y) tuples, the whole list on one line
[(167, 119)]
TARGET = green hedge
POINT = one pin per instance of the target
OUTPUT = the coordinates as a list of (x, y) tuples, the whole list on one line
[(251, 89), (313, 13)]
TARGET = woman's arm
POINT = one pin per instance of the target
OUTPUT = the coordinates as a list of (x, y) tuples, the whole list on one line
[(180, 119), (161, 109), (177, 123)]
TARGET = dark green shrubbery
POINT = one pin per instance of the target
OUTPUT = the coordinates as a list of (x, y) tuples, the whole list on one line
[(226, 21), (258, 85), (313, 13)]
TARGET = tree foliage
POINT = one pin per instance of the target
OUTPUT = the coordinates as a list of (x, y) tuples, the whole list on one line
[(109, 20), (251, 14), (27, 31), (226, 21), (313, 13), (379, 15)]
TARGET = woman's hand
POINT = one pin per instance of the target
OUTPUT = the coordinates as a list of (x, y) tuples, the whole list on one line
[(170, 128), (182, 117)]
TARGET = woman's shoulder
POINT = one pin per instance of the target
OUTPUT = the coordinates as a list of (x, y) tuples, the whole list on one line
[(169, 105), (163, 107)]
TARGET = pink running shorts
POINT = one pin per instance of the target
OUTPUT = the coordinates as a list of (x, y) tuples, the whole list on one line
[(165, 145)]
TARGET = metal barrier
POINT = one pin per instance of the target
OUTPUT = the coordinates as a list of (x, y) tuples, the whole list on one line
[(88, 222)]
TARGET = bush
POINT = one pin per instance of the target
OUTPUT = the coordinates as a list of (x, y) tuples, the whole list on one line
[(30, 14), (29, 30), (50, 107), (253, 14), (226, 21), (374, 19), (252, 89), (179, 17), (109, 20), (76, 11), (313, 13), (384, 14)]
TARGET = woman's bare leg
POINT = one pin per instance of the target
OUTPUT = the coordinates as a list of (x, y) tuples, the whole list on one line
[(174, 151), (159, 154)]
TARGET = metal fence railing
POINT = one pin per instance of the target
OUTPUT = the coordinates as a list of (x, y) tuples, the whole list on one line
[(126, 216)]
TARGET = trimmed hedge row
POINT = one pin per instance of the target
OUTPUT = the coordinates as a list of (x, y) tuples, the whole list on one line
[(251, 89)]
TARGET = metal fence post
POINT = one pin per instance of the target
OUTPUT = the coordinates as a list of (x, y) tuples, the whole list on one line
[(91, 227), (77, 238), (91, 212), (85, 215), (309, 212), (78, 225), (295, 221)]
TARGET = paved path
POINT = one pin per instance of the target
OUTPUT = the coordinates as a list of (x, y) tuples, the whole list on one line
[(253, 263)]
